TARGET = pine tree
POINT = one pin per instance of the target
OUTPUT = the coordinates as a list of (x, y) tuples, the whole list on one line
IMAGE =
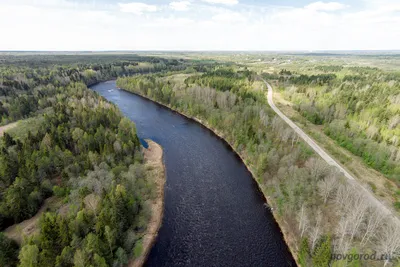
[(322, 252), (304, 253)]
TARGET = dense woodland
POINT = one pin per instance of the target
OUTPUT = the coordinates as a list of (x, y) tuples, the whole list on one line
[(322, 211), (359, 108), (30, 84), (83, 152)]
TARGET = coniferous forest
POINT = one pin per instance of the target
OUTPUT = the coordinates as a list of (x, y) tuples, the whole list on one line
[(81, 153)]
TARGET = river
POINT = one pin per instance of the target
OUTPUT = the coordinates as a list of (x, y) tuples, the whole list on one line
[(214, 213)]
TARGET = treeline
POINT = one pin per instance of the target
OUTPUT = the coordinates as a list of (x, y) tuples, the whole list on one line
[(25, 91), (360, 110), (319, 79), (322, 211), (329, 68), (226, 79), (223, 79), (86, 155)]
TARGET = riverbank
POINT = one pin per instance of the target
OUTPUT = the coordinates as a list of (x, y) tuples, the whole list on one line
[(153, 157), (289, 240)]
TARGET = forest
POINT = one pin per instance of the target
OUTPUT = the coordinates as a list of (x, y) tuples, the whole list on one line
[(79, 150), (83, 153), (322, 212), (359, 107)]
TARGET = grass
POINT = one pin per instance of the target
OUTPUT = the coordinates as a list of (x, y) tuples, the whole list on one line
[(22, 127), (30, 226)]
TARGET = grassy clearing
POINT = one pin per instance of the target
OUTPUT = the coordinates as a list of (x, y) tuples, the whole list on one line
[(177, 78), (7, 128), (20, 129), (29, 227)]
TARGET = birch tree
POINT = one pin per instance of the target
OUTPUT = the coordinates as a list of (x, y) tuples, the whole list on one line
[(374, 220), (358, 210), (303, 220), (327, 186), (389, 240), (316, 231)]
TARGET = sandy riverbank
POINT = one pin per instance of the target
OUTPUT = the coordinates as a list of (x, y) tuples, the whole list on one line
[(153, 156)]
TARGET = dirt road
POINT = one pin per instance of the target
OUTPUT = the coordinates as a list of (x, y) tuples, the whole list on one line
[(325, 155)]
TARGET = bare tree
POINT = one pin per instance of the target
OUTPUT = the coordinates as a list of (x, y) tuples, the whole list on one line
[(264, 119), (318, 167), (287, 134), (316, 232), (278, 125), (342, 196), (353, 206), (358, 210), (222, 99), (341, 231), (374, 220), (303, 220), (389, 240), (295, 138), (328, 185)]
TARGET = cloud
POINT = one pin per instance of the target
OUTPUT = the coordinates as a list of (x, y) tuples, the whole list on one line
[(325, 6), (137, 8), (222, 2), (180, 6), (229, 16), (206, 27)]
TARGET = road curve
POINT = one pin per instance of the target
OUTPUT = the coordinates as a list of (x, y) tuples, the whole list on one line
[(325, 155)]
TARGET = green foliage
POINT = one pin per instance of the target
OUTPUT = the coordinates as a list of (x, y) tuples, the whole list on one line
[(329, 68), (29, 256), (352, 260), (121, 258), (81, 149), (319, 79), (278, 160), (359, 108), (225, 79), (59, 191), (138, 248), (8, 251), (304, 253), (397, 205), (322, 254), (23, 127)]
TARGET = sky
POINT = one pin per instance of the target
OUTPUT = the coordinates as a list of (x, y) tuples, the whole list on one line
[(227, 25)]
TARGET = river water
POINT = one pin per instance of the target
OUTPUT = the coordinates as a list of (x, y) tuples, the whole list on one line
[(214, 213)]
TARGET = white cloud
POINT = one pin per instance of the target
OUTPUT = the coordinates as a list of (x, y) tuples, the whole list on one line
[(205, 27), (137, 8), (223, 2), (325, 6), (180, 6), (229, 16)]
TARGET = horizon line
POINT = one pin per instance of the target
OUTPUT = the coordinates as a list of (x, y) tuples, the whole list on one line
[(205, 50)]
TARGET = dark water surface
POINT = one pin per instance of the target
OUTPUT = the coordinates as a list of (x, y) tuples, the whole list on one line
[(214, 212)]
